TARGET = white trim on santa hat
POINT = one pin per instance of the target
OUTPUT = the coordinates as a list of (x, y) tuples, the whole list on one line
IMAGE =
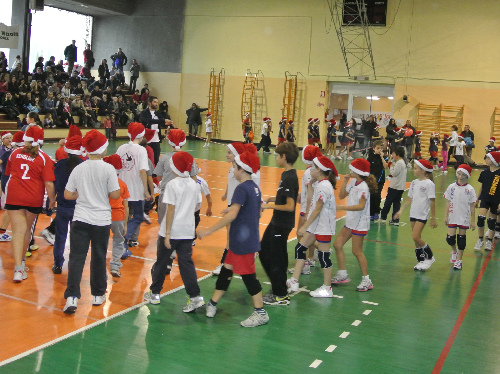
[(307, 162), (244, 166), (177, 171), (177, 147), (140, 135), (320, 165), (32, 140), (490, 156), (359, 172), (99, 150), (6, 134), (73, 151), (421, 166), (463, 170), (233, 150)]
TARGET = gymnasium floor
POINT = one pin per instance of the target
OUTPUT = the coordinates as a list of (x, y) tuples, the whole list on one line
[(411, 322)]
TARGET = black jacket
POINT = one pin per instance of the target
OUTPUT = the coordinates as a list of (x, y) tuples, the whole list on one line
[(193, 116), (146, 119)]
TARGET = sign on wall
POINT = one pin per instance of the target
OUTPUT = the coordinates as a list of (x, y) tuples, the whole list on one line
[(9, 36)]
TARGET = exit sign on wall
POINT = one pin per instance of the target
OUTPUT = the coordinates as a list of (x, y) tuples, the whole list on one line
[(376, 12)]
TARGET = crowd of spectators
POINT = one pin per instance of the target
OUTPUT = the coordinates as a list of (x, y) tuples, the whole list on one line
[(61, 94)]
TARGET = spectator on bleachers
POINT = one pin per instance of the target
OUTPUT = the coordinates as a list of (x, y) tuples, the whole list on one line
[(123, 117), (114, 106), (78, 109), (66, 90), (54, 88), (85, 89), (91, 114), (145, 88), (50, 63), (96, 92), (23, 87), (67, 118), (17, 62), (39, 74), (78, 90), (74, 79), (103, 106), (118, 91), (48, 122), (3, 62), (108, 92), (4, 84), (18, 72), (119, 77), (119, 60), (50, 79), (14, 87), (103, 70), (99, 82), (134, 74), (163, 109), (145, 96), (136, 96), (88, 57), (42, 88), (38, 64), (60, 66), (49, 106), (85, 72), (24, 103), (9, 106), (70, 54), (112, 82)]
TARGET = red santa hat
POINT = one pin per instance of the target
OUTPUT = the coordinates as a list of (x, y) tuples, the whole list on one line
[(283, 118), (34, 134), (208, 115), (176, 138), (360, 166), (74, 130), (136, 130), (492, 139), (333, 122), (236, 148), (181, 163), (349, 124), (250, 147), (446, 136), (5, 133), (425, 165), (310, 120), (377, 127), (290, 123), (466, 169), (247, 114), (17, 139), (268, 119), (248, 161), (461, 136), (419, 133), (73, 145), (149, 134), (114, 160), (316, 120), (309, 153), (325, 164), (95, 142), (494, 157)]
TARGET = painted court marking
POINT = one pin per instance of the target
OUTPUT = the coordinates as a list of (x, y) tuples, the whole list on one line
[(369, 302), (366, 312), (331, 348), (356, 323), (315, 364), (344, 335)]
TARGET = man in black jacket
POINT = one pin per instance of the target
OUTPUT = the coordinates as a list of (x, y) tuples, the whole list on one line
[(194, 118), (70, 53), (152, 119)]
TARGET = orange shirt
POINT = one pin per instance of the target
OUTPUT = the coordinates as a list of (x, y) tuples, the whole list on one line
[(61, 153), (117, 208)]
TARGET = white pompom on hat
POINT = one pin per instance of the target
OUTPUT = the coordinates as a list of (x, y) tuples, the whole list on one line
[(181, 163), (176, 138), (136, 130), (73, 145), (248, 161), (360, 166), (34, 134), (95, 142)]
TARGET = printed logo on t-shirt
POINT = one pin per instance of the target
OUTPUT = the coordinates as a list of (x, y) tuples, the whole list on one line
[(128, 162)]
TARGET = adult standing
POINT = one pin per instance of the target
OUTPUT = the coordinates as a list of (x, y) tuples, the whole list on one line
[(469, 140), (369, 130), (119, 60), (103, 70), (194, 118), (70, 53), (31, 172), (391, 134), (409, 141), (134, 75), (152, 119), (88, 57)]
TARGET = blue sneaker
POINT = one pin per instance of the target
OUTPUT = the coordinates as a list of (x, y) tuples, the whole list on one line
[(126, 254), (376, 216)]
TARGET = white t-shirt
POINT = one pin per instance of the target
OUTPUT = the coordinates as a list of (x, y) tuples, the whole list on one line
[(359, 220), (203, 188), (303, 191), (184, 194), (134, 159), (154, 126), (232, 183), (324, 224), (93, 180), (421, 192), (208, 125), (459, 148), (264, 128), (453, 139), (460, 198), (164, 171)]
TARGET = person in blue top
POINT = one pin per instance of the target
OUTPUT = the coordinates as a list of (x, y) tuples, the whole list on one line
[(244, 240), (65, 208)]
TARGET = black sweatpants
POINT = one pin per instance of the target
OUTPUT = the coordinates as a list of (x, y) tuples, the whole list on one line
[(375, 200), (274, 257), (393, 199)]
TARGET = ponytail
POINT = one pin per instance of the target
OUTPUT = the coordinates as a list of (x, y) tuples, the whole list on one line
[(371, 182), (332, 179), (430, 175), (30, 150)]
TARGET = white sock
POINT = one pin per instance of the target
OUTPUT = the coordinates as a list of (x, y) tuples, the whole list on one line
[(342, 272), (366, 277)]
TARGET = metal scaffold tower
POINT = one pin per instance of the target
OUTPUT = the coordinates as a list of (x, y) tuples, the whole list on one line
[(351, 25)]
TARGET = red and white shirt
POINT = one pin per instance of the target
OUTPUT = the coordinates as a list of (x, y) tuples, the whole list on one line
[(324, 224), (358, 220), (460, 198), (421, 192), (27, 178), (303, 191)]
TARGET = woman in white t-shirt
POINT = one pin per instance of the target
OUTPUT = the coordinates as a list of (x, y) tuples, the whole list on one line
[(208, 129), (459, 213), (319, 226), (357, 190), (421, 196)]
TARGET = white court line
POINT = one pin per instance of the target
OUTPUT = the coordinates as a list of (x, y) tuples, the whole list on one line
[(369, 302), (85, 328), (331, 348), (338, 296), (344, 335), (366, 312), (356, 323), (315, 364), (151, 259)]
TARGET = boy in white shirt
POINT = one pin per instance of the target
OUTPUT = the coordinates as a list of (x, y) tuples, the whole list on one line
[(177, 232), (90, 184), (397, 186), (459, 151), (208, 129)]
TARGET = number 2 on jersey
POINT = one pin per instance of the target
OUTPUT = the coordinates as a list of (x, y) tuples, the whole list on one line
[(26, 169)]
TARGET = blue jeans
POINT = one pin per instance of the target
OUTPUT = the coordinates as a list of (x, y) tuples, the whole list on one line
[(64, 216), (136, 212)]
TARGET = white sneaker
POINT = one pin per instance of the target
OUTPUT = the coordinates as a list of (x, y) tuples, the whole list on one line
[(71, 305), (350, 158), (20, 275), (338, 279), (426, 264), (98, 300), (479, 245), (193, 304), (487, 234), (418, 266), (497, 235), (338, 158), (453, 258), (217, 270), (5, 237), (48, 236), (256, 319), (488, 245), (458, 265), (323, 291), (293, 285), (445, 172), (365, 285), (211, 310), (305, 271), (152, 298), (147, 219)]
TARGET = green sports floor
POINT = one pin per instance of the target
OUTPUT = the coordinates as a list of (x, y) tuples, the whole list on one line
[(442, 320)]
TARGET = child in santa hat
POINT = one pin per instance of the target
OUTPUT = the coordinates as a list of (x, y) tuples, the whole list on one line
[(331, 139), (491, 146), (319, 226), (317, 137), (310, 131), (417, 154), (489, 199), (265, 140), (347, 139), (65, 208), (422, 197), (357, 187), (290, 136), (208, 129), (444, 154), (282, 131), (177, 232), (459, 213), (119, 218), (243, 215), (91, 184)]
